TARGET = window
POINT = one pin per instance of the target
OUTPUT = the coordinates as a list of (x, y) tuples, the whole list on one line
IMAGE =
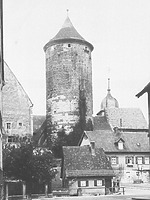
[(11, 138), (129, 160), (8, 125), (100, 182), (114, 160), (20, 124), (139, 160), (69, 45), (86, 50), (146, 159), (83, 183), (120, 145)]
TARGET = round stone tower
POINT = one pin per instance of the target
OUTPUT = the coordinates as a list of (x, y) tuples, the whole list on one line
[(68, 78)]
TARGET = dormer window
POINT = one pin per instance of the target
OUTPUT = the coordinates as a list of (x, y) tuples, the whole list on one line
[(120, 145)]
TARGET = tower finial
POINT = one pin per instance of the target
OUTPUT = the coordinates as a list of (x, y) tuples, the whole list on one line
[(108, 85), (67, 11)]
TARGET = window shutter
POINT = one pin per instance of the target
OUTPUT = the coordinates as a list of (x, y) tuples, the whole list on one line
[(132, 159), (126, 160), (143, 160), (116, 160), (103, 182), (109, 159), (95, 182), (87, 183), (79, 184), (136, 160)]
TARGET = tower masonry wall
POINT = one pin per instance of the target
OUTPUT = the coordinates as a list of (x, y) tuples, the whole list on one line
[(68, 71)]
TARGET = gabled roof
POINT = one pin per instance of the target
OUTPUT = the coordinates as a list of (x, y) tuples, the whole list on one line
[(79, 161), (129, 118), (106, 140), (119, 139), (67, 33), (101, 123), (11, 80)]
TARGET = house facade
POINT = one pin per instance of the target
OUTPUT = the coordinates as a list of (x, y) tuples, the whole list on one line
[(16, 108), (86, 170), (128, 153), (123, 134)]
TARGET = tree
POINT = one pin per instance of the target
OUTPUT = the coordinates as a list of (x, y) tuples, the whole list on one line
[(28, 163), (61, 140)]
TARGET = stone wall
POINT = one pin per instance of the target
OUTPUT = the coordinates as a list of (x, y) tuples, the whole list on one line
[(68, 71), (16, 107)]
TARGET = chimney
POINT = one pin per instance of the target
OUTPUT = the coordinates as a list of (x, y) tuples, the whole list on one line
[(92, 146), (116, 130)]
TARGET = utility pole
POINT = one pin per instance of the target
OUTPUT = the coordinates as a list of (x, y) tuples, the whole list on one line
[(147, 89), (1, 86)]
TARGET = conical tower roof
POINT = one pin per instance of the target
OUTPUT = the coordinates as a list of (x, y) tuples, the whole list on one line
[(109, 101), (67, 34)]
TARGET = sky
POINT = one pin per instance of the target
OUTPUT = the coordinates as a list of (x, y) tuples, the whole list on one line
[(118, 29)]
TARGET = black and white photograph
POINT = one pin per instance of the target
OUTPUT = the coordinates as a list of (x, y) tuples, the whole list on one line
[(75, 99)]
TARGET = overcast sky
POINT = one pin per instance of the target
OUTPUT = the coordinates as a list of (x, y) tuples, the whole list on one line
[(118, 29)]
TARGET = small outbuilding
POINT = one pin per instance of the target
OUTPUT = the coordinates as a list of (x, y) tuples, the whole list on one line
[(86, 170)]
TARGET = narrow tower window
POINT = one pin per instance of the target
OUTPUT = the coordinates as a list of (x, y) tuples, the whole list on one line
[(120, 122), (69, 45)]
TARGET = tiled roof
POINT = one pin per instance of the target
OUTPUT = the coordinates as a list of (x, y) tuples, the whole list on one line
[(68, 32), (79, 173), (133, 141), (130, 118), (101, 123), (79, 161)]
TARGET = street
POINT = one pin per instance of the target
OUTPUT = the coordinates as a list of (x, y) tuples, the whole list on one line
[(129, 194)]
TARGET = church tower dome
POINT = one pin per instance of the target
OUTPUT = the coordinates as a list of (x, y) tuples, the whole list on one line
[(109, 101), (68, 78)]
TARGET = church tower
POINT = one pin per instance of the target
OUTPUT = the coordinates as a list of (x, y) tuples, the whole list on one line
[(68, 77), (109, 101)]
